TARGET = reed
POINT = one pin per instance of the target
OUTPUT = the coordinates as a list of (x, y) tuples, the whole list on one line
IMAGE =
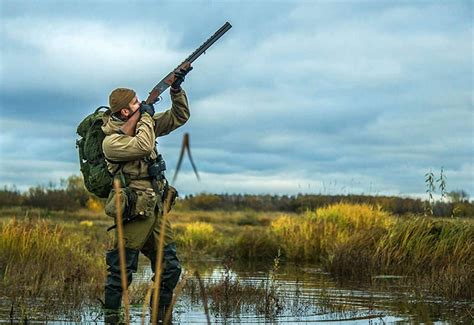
[(361, 240), (300, 237), (229, 296), (40, 258), (203, 292), (442, 250), (41, 261), (253, 243), (121, 247), (146, 301), (177, 292), (426, 243), (159, 260)]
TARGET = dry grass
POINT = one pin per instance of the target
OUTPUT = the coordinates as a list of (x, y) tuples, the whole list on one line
[(40, 260), (360, 240), (228, 296), (198, 236)]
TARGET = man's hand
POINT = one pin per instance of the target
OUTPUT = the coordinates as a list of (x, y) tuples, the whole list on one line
[(179, 78), (147, 108), (129, 127)]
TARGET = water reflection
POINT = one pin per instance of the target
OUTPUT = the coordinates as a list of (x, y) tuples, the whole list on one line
[(304, 293), (283, 293)]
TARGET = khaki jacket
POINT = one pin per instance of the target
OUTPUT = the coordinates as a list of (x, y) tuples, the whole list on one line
[(132, 151)]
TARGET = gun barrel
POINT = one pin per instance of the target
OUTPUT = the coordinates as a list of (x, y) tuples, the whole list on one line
[(201, 49), (153, 97)]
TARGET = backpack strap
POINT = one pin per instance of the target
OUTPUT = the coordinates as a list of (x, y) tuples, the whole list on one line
[(123, 180), (119, 171), (120, 164), (100, 107)]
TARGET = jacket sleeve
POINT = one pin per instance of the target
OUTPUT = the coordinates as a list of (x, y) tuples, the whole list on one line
[(121, 147), (173, 118)]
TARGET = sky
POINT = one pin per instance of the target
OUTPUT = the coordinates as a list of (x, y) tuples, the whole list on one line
[(317, 97)]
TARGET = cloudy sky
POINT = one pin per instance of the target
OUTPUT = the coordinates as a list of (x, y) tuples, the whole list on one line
[(298, 97)]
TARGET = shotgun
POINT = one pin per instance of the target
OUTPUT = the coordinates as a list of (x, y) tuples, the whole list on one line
[(155, 93)]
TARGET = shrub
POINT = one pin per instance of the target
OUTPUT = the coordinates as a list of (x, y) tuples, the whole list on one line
[(197, 236), (254, 243)]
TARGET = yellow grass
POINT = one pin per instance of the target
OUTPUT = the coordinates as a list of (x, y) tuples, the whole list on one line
[(37, 256), (360, 240), (347, 239)]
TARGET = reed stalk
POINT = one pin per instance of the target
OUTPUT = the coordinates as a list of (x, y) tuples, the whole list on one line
[(146, 302), (121, 247), (177, 292), (203, 296), (159, 260)]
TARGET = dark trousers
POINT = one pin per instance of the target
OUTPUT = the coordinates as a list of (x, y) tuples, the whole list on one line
[(169, 276)]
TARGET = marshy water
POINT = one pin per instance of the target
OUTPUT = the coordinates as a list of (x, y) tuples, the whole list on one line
[(278, 293)]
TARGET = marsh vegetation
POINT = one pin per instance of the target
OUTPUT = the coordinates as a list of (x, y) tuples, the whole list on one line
[(52, 261)]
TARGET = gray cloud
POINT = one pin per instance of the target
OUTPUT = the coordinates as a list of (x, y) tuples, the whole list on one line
[(366, 97)]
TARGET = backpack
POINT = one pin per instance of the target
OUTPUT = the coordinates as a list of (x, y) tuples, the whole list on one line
[(97, 178)]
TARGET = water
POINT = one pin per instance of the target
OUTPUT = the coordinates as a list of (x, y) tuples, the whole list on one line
[(251, 293)]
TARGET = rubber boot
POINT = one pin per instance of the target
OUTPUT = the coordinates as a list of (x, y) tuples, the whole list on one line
[(113, 285), (161, 314), (169, 276), (170, 273), (112, 316)]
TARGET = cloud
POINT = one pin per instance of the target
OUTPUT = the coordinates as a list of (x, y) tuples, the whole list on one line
[(23, 174), (277, 183), (76, 55), (319, 93)]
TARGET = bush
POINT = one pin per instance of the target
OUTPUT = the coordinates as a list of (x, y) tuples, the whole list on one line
[(70, 196), (254, 243), (10, 197), (197, 236)]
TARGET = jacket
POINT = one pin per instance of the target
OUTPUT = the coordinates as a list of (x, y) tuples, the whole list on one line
[(132, 152)]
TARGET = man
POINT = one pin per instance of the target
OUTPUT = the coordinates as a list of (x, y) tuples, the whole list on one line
[(131, 130)]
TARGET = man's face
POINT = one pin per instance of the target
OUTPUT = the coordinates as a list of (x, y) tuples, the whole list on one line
[(133, 106)]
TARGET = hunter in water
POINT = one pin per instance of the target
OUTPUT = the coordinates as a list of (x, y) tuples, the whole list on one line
[(131, 129), (118, 146)]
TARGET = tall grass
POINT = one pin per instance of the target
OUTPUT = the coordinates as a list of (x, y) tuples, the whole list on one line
[(40, 260), (442, 250), (229, 296), (197, 239), (313, 236), (355, 240), (361, 240)]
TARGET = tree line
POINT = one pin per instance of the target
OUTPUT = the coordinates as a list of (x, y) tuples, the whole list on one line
[(71, 195), (302, 202)]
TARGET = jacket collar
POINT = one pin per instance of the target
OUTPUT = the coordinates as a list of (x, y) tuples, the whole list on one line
[(111, 124)]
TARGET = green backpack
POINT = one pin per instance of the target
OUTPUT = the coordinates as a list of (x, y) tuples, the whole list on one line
[(97, 178)]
